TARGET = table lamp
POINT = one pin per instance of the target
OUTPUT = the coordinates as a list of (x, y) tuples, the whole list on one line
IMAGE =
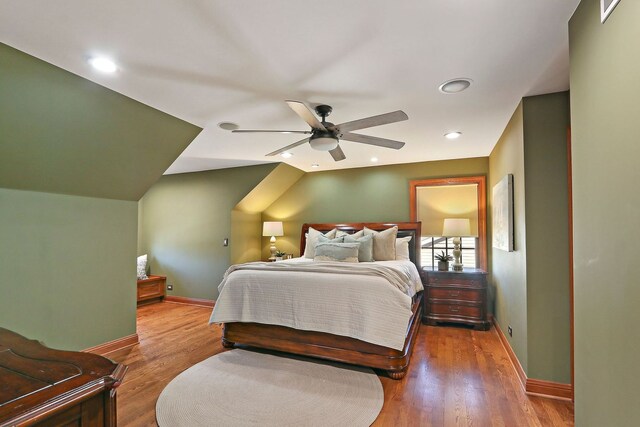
[(456, 228), (273, 229)]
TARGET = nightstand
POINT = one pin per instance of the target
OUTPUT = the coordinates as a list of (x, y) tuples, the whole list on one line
[(152, 288), (456, 297)]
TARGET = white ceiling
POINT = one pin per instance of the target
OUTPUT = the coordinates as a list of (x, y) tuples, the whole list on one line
[(212, 61)]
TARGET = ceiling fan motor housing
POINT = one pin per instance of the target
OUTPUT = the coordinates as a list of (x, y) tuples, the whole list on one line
[(323, 110)]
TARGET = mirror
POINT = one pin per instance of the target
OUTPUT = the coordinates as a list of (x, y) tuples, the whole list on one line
[(433, 200)]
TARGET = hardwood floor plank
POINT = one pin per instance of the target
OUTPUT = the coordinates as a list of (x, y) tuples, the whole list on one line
[(457, 376)]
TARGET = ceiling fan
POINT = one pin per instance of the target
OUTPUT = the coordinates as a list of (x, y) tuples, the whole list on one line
[(326, 136)]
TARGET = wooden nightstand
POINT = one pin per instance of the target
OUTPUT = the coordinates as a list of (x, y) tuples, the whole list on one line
[(153, 288), (458, 297)]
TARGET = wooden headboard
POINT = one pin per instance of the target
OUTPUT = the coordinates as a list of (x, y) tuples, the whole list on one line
[(404, 229)]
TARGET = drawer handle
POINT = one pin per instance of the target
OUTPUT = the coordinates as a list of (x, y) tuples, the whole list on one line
[(453, 309), (454, 293)]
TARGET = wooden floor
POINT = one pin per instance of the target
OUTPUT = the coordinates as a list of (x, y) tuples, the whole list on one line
[(457, 376)]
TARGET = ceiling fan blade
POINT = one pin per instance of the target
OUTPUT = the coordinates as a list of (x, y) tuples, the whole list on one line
[(288, 147), (382, 119), (373, 140), (337, 154), (307, 115), (271, 131)]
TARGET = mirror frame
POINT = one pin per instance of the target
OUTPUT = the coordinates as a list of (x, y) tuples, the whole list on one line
[(481, 182)]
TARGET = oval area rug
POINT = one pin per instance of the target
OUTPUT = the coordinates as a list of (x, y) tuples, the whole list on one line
[(246, 388)]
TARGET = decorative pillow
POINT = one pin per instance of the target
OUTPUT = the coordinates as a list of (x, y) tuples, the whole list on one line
[(384, 243), (312, 239), (142, 267), (324, 239), (402, 248), (340, 252), (357, 234), (365, 252)]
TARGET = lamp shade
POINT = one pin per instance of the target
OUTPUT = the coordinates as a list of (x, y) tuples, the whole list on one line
[(272, 228), (456, 227)]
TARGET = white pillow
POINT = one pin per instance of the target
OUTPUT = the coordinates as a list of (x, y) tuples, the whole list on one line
[(402, 248), (312, 240), (142, 267), (355, 235), (384, 243)]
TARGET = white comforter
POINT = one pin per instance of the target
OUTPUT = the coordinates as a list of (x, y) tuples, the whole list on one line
[(366, 307)]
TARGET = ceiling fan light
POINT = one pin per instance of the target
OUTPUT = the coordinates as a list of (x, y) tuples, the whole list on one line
[(323, 143)]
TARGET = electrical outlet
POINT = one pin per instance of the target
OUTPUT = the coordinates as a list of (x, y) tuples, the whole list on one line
[(169, 287), (510, 331)]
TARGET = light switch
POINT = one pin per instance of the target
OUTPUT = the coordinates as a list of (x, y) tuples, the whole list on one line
[(225, 242)]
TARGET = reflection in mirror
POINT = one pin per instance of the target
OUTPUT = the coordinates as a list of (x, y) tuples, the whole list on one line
[(434, 200)]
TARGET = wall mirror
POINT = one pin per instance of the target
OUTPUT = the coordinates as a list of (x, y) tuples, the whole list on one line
[(434, 200)]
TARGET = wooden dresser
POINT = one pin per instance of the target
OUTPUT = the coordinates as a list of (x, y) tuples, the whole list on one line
[(152, 289), (456, 297), (45, 387)]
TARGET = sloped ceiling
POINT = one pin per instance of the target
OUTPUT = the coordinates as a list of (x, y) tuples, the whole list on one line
[(61, 133), (209, 61)]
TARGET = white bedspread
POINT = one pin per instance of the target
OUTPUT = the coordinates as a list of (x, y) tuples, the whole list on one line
[(362, 306)]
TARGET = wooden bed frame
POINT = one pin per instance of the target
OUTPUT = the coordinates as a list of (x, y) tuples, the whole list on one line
[(336, 347)]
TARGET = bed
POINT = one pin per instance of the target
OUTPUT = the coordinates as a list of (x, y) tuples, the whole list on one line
[(399, 309)]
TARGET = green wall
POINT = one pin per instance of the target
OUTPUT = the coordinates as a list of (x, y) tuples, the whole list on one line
[(546, 121), (85, 154), (184, 219), (509, 269), (60, 133), (532, 282), (370, 194), (67, 268), (605, 65)]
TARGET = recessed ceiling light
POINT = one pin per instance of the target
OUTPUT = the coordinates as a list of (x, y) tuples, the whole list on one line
[(453, 135), (374, 159), (315, 166), (286, 155), (455, 85), (228, 126), (103, 64)]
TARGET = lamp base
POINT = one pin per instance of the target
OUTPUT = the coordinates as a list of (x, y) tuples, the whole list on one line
[(273, 248), (457, 254)]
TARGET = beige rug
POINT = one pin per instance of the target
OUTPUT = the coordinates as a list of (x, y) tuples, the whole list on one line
[(245, 388)]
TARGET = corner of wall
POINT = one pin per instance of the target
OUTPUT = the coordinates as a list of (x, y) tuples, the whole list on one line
[(246, 218), (508, 269)]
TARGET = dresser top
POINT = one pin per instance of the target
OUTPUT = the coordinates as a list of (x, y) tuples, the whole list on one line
[(34, 377)]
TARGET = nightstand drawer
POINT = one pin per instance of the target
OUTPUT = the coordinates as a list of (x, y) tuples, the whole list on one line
[(456, 310), (474, 295), (151, 288), (457, 281)]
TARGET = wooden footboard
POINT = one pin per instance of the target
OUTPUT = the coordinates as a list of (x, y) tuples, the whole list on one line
[(327, 346)]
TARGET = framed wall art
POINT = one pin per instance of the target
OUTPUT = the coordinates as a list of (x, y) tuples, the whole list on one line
[(503, 214)]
